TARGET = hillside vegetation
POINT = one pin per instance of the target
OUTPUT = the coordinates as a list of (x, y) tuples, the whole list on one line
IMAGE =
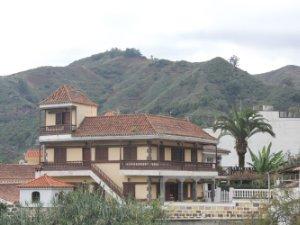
[(129, 82)]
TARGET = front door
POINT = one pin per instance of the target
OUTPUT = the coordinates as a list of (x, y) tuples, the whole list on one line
[(171, 191), (86, 154)]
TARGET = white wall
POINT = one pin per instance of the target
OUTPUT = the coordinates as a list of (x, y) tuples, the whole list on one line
[(46, 196), (287, 132)]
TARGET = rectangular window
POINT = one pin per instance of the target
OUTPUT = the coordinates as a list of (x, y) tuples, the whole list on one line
[(129, 190), (101, 153), (130, 152), (60, 155), (209, 159), (177, 154), (62, 118)]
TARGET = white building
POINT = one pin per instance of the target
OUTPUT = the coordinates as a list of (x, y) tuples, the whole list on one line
[(287, 138), (42, 191)]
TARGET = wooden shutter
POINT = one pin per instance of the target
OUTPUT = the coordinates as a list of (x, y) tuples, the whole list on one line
[(129, 190), (58, 118), (66, 118), (185, 190), (126, 153), (86, 154), (133, 153), (130, 152), (194, 155), (101, 153), (60, 155), (161, 150)]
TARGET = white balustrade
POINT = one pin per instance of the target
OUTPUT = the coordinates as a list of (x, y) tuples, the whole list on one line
[(251, 193)]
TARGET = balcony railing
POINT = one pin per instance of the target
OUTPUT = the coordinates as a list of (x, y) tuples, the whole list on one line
[(70, 165), (57, 129), (165, 165)]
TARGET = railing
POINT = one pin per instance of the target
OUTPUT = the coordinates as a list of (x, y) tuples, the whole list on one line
[(285, 114), (70, 165), (107, 180), (236, 169), (251, 193), (79, 165), (165, 165), (57, 129)]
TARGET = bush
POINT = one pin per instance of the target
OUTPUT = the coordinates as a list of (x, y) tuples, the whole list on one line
[(83, 207)]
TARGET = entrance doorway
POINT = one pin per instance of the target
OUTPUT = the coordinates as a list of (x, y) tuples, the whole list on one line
[(171, 191)]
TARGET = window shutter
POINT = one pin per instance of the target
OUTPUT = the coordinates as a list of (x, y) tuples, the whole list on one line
[(60, 155), (194, 155), (101, 153), (133, 152), (66, 118), (162, 153), (130, 152), (129, 190), (58, 118)]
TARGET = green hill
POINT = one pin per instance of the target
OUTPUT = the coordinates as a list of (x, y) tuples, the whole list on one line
[(129, 82), (287, 76)]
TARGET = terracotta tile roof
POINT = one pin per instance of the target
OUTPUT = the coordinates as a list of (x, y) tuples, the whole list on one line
[(67, 94), (46, 182), (139, 124), (16, 171), (32, 153), (9, 192)]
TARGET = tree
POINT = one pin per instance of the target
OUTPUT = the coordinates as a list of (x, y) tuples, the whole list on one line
[(242, 125), (234, 61), (264, 161)]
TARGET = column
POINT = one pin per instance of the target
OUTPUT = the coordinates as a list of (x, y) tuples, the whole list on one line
[(162, 189), (180, 190), (149, 188), (194, 190), (213, 191)]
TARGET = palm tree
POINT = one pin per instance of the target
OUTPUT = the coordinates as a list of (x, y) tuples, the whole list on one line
[(264, 161), (242, 125)]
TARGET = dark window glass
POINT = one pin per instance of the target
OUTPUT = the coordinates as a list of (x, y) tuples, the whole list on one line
[(35, 197)]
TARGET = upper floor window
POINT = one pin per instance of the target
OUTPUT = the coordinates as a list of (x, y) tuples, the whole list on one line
[(209, 159), (35, 197), (62, 118)]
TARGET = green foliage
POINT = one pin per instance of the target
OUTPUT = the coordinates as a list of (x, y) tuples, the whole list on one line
[(132, 52), (264, 161), (242, 125), (3, 208), (89, 208)]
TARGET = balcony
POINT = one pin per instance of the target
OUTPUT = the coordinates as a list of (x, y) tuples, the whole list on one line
[(166, 165), (57, 129), (70, 165)]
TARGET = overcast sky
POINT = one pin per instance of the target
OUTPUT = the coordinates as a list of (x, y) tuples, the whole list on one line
[(264, 34)]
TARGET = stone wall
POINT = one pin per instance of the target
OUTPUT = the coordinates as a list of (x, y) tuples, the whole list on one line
[(223, 211)]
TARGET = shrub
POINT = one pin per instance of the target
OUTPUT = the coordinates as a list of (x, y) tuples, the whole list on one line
[(89, 208)]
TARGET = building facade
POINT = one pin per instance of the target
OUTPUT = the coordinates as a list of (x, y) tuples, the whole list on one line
[(138, 155)]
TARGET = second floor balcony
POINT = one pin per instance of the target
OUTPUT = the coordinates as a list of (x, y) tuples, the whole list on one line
[(57, 129), (133, 165), (165, 165)]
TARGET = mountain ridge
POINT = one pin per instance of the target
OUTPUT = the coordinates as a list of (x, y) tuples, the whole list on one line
[(129, 82)]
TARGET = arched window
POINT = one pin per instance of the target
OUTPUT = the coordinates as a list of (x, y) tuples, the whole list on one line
[(35, 197)]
